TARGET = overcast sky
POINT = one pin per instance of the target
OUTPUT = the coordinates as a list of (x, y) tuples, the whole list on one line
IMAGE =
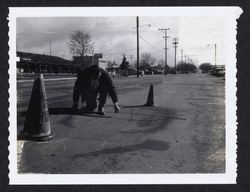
[(115, 36)]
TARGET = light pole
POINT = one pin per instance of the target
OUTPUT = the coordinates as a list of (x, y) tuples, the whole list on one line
[(215, 52)]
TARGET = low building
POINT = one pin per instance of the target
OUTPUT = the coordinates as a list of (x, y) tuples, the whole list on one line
[(33, 62), (87, 61), (41, 63)]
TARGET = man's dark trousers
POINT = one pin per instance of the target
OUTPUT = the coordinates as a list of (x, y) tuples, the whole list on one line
[(90, 97)]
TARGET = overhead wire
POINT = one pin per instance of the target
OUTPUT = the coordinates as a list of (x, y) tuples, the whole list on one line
[(129, 50), (149, 43)]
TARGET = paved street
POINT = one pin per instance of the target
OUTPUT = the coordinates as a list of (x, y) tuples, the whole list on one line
[(184, 133)]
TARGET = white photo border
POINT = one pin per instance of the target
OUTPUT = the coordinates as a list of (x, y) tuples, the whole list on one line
[(230, 14)]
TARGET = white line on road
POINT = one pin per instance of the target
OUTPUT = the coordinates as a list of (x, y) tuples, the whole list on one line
[(20, 144), (54, 79)]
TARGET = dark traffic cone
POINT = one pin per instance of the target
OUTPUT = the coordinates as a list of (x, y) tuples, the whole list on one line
[(37, 123), (150, 100)]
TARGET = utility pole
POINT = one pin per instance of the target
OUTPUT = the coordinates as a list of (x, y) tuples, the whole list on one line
[(175, 42), (137, 32), (166, 45), (189, 59), (50, 47), (185, 58), (215, 54), (131, 59), (181, 55)]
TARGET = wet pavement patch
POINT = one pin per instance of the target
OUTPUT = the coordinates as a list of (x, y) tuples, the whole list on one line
[(154, 123), (67, 121), (152, 145), (157, 126)]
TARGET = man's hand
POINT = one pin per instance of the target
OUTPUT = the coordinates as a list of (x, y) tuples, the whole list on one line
[(116, 107)]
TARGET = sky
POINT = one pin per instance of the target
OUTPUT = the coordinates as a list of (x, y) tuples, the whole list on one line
[(115, 36)]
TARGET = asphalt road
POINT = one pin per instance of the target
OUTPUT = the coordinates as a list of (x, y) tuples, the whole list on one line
[(184, 133)]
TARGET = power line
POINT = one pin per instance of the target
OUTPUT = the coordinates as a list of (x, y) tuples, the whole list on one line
[(116, 53), (149, 43), (128, 50)]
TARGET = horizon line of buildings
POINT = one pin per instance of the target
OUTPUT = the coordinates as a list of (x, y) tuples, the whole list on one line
[(37, 63)]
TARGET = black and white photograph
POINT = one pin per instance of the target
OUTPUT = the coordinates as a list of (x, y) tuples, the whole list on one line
[(122, 95)]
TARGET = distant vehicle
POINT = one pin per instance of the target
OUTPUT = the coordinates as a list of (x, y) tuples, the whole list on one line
[(218, 72), (172, 71), (194, 71), (166, 71), (158, 71), (131, 71), (148, 71), (184, 72)]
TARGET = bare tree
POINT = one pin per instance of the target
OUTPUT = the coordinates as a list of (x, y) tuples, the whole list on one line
[(125, 64), (80, 43), (147, 60), (161, 63), (205, 67)]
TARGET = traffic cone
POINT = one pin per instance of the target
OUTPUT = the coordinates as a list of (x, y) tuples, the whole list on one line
[(150, 100), (37, 123)]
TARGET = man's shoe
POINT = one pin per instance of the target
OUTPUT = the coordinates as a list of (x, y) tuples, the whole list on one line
[(75, 106), (87, 109), (116, 108), (101, 111)]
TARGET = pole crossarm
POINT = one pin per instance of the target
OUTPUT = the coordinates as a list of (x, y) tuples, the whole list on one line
[(164, 30)]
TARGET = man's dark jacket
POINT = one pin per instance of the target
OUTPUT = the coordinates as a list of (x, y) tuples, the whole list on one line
[(83, 82)]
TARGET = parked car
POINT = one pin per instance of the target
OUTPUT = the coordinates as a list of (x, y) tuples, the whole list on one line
[(148, 71), (158, 71), (131, 71), (218, 72), (172, 71)]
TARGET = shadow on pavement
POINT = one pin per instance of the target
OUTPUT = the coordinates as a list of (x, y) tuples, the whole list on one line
[(64, 111), (70, 111), (149, 144), (149, 115), (133, 106)]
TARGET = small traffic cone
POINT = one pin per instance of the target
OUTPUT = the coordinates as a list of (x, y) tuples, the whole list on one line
[(150, 100), (37, 123)]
